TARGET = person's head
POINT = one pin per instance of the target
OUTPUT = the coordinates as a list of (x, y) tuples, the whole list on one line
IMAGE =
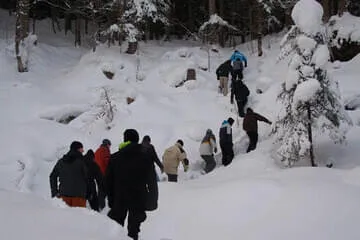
[(237, 59), (131, 135), (106, 143), (76, 146), (236, 51), (180, 142), (146, 139), (249, 110), (209, 131), (90, 154), (230, 121)]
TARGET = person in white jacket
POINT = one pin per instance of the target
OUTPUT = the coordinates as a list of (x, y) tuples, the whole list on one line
[(207, 150)]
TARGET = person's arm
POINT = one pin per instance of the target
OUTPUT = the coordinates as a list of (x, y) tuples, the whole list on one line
[(156, 159), (184, 160), (244, 60), (232, 92), (262, 118), (54, 175), (213, 145)]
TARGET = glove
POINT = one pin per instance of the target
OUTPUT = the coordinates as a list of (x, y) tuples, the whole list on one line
[(186, 168), (215, 150)]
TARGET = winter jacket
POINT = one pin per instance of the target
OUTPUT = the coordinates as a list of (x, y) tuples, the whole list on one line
[(126, 179), (238, 55), (250, 121), (225, 134), (102, 157), (70, 171), (208, 144), (224, 69), (239, 90), (172, 158), (94, 174), (150, 150)]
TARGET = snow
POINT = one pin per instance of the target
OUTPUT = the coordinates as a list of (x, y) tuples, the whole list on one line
[(307, 15), (321, 56), (346, 27), (215, 19), (305, 91), (253, 198)]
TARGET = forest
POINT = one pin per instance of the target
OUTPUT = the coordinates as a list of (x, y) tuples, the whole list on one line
[(216, 22)]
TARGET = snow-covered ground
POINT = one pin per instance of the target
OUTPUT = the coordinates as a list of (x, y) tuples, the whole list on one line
[(253, 198)]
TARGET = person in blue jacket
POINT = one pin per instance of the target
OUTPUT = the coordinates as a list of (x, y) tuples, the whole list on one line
[(238, 55), (238, 62)]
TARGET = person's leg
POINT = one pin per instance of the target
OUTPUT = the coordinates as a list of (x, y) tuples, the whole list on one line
[(226, 87), (172, 177), (118, 215), (253, 137), (224, 155), (209, 163), (94, 202), (136, 217), (67, 200), (221, 79)]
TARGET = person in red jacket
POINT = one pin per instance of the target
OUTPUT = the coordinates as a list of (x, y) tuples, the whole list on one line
[(250, 126), (102, 155)]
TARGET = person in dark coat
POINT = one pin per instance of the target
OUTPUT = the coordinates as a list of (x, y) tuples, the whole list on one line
[(250, 126), (95, 186), (226, 143), (241, 93), (222, 73), (153, 189), (127, 177), (68, 179)]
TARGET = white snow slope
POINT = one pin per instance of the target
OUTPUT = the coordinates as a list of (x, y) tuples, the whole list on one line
[(253, 198)]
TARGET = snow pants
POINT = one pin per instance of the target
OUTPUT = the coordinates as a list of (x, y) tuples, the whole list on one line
[(210, 163), (253, 137), (74, 201), (227, 153)]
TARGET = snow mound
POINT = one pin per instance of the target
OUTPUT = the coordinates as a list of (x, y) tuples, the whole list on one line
[(307, 15)]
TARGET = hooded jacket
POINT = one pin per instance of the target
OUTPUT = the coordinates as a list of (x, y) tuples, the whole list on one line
[(172, 158), (69, 176), (250, 121), (102, 157), (224, 69), (208, 144), (225, 133)]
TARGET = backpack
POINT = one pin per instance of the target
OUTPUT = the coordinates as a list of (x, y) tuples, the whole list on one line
[(238, 65)]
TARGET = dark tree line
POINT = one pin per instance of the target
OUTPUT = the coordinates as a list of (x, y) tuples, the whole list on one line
[(117, 20)]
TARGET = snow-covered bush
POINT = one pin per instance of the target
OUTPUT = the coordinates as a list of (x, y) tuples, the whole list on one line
[(310, 97)]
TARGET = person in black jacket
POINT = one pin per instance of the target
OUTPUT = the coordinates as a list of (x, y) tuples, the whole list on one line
[(226, 143), (153, 189), (241, 93), (126, 180), (95, 186), (68, 179), (222, 73)]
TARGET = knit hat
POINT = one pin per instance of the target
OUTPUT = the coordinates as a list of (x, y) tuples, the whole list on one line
[(230, 121), (180, 142), (146, 139), (75, 145), (131, 135), (106, 142)]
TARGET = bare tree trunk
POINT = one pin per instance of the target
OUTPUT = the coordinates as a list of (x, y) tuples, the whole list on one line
[(259, 28), (77, 31), (21, 32), (342, 7), (312, 158), (212, 7), (327, 9)]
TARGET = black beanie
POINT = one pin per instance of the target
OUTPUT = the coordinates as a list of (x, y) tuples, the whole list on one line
[(180, 142), (131, 135), (75, 145), (230, 121)]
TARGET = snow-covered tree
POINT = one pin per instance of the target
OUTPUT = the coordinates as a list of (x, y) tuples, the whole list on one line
[(309, 95)]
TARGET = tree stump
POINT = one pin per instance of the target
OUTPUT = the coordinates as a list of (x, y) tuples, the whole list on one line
[(132, 48), (129, 100), (191, 74)]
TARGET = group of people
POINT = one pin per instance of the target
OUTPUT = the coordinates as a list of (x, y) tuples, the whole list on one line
[(127, 178)]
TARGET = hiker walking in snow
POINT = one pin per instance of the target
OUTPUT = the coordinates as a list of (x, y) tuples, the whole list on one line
[(207, 150), (150, 152), (70, 171), (102, 155), (95, 186), (222, 73), (250, 126), (238, 62), (172, 158), (226, 143), (126, 183), (146, 143), (241, 93)]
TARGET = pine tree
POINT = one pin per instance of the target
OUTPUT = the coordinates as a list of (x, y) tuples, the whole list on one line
[(310, 97)]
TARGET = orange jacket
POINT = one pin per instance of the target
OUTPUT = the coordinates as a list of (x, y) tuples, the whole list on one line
[(102, 157)]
